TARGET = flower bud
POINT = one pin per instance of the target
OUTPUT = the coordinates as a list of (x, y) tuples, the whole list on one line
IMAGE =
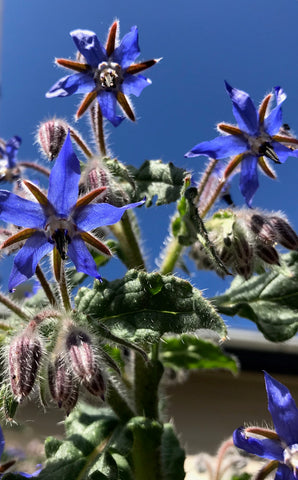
[(63, 386), (264, 230), (81, 354), (268, 254), (285, 235), (25, 353), (96, 384), (51, 136), (96, 175)]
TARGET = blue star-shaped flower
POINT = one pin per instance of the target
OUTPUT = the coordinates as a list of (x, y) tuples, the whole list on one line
[(59, 222), (280, 446), (8, 159), (256, 136), (8, 464), (106, 73)]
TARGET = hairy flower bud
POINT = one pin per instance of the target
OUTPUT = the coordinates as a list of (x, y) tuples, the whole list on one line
[(96, 384), (62, 384), (25, 353), (81, 354), (262, 227), (51, 136), (268, 254), (285, 235), (96, 175)]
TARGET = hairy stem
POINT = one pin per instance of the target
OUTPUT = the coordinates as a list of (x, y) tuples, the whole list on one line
[(172, 254), (64, 289), (45, 285), (13, 307), (97, 125), (123, 231)]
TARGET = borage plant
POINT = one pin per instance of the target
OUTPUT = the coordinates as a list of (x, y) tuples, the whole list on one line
[(81, 336)]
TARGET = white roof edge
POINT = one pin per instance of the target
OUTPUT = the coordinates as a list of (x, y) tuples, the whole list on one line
[(252, 340)]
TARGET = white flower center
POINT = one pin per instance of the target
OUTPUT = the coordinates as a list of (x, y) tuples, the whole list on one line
[(108, 76), (291, 457)]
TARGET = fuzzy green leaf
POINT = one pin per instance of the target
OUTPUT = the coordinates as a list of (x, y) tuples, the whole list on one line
[(172, 455), (142, 307), (270, 300), (189, 352), (88, 431), (156, 179)]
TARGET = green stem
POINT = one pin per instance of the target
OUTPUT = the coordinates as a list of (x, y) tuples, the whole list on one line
[(118, 403), (45, 285), (146, 449), (64, 289), (14, 307), (123, 231), (147, 378), (172, 254)]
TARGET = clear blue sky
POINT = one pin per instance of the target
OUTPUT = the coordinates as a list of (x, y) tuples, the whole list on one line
[(252, 44)]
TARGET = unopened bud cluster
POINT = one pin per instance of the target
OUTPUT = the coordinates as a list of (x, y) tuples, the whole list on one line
[(245, 240), (73, 365), (77, 366)]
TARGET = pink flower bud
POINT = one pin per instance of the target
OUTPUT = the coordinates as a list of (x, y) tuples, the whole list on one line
[(285, 235), (51, 136), (81, 354), (25, 353), (63, 386), (96, 384)]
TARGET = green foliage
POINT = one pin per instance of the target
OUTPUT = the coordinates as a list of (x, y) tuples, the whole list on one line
[(144, 306), (270, 300), (152, 179), (242, 476), (192, 353), (172, 455)]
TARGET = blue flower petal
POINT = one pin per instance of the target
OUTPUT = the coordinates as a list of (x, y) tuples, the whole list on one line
[(220, 147), (2, 442), (26, 260), (284, 473), (64, 180), (283, 152), (134, 84), (11, 149), (21, 212), (273, 122), (283, 410), (244, 110), (264, 448), (81, 257), (31, 475), (100, 214), (89, 46), (249, 182), (76, 83), (128, 50), (108, 102)]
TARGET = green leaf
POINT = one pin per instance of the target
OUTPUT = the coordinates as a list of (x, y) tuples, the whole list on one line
[(157, 179), (143, 306), (88, 431), (190, 352), (270, 300), (172, 455)]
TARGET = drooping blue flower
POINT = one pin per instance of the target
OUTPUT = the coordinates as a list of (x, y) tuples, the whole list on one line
[(8, 464), (58, 222), (279, 446), (257, 136), (106, 73), (8, 159)]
